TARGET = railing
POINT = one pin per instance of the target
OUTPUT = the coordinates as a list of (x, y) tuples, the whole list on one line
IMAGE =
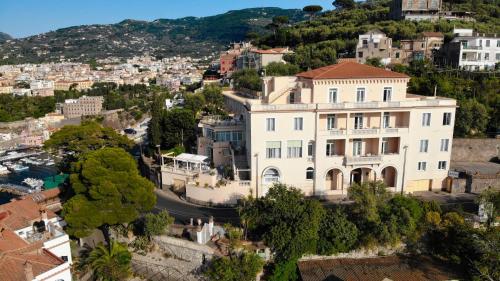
[(221, 121), (336, 132), (472, 47), (363, 160), (423, 101), (364, 131), (244, 183)]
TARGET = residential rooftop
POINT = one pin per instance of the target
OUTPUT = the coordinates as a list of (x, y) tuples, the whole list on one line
[(350, 70)]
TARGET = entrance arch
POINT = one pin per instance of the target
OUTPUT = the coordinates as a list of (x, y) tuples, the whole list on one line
[(361, 175), (270, 176), (334, 180), (389, 176)]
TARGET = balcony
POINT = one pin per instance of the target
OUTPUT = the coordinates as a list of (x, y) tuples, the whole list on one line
[(372, 131), (363, 160), (394, 131), (334, 132), (471, 47)]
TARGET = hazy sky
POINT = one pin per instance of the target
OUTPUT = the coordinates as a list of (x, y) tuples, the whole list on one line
[(21, 18)]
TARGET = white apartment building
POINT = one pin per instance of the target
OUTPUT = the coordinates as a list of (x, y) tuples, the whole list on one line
[(470, 50), (325, 129), (33, 245)]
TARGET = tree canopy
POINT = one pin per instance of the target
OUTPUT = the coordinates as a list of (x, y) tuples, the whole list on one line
[(108, 190), (111, 262), (240, 267)]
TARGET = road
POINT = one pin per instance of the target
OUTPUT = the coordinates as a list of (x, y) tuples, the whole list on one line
[(183, 211)]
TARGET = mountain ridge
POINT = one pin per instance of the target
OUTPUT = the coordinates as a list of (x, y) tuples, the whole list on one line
[(195, 36)]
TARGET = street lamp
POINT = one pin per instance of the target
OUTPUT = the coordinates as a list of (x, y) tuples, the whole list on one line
[(404, 170)]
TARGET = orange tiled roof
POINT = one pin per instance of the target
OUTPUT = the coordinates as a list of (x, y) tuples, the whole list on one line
[(22, 213), (350, 70), (378, 269), (12, 264)]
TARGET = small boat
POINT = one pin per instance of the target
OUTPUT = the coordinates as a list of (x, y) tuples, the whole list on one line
[(50, 163), (3, 170), (35, 184), (19, 168)]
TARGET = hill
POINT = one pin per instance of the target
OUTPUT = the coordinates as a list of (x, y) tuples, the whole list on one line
[(162, 37), (4, 37)]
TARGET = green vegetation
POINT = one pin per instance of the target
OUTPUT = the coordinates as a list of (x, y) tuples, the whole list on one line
[(110, 263), (108, 191), (281, 69), (247, 79), (17, 108), (236, 267), (74, 141), (177, 127), (157, 224), (161, 38), (293, 225)]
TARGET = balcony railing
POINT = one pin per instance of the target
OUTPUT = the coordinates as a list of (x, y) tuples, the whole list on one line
[(364, 131), (358, 160)]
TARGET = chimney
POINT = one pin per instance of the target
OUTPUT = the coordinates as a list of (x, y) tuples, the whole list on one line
[(43, 215), (28, 271)]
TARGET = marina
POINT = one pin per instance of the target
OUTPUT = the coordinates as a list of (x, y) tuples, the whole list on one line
[(23, 173)]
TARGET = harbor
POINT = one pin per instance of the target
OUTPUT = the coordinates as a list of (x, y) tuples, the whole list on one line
[(23, 172)]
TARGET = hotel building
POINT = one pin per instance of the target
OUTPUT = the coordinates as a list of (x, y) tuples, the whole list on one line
[(325, 129)]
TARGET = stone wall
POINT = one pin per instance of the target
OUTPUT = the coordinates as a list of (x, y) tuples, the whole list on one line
[(185, 250), (475, 150)]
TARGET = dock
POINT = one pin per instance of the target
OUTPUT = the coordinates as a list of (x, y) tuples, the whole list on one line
[(16, 189), (19, 156)]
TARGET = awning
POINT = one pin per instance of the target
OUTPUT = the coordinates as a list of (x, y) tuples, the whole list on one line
[(191, 158)]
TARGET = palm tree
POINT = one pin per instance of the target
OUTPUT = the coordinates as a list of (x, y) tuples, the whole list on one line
[(110, 263)]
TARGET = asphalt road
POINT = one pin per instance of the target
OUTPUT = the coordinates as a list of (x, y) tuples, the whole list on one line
[(183, 211)]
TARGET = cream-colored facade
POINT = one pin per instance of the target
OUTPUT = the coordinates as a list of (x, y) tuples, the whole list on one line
[(343, 137), (323, 130)]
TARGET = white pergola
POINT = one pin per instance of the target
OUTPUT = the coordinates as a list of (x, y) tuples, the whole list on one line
[(191, 161)]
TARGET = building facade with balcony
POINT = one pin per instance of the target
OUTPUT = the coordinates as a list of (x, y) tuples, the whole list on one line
[(374, 44), (325, 129), (470, 50)]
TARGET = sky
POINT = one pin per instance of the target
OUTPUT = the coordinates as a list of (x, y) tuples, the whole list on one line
[(21, 18)]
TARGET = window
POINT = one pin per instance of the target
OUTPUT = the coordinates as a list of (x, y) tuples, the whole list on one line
[(422, 166), (332, 96), (487, 56), (385, 145), (271, 176), (426, 119), (498, 43), (309, 173), (387, 94), (330, 122), (291, 98), (294, 149), (273, 149), (424, 146), (487, 43), (64, 258), (360, 54), (375, 45), (386, 120), (397, 55), (442, 165), (310, 149), (498, 54), (358, 121), (271, 124), (447, 119), (356, 147), (330, 147), (360, 95), (444, 145), (298, 123)]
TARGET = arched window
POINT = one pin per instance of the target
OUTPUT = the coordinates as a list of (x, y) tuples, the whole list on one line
[(309, 173), (271, 176)]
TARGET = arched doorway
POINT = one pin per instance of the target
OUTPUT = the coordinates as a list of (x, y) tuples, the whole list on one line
[(389, 176), (334, 180), (361, 175)]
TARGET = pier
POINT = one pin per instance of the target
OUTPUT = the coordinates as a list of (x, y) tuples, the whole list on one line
[(16, 189), (19, 156)]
